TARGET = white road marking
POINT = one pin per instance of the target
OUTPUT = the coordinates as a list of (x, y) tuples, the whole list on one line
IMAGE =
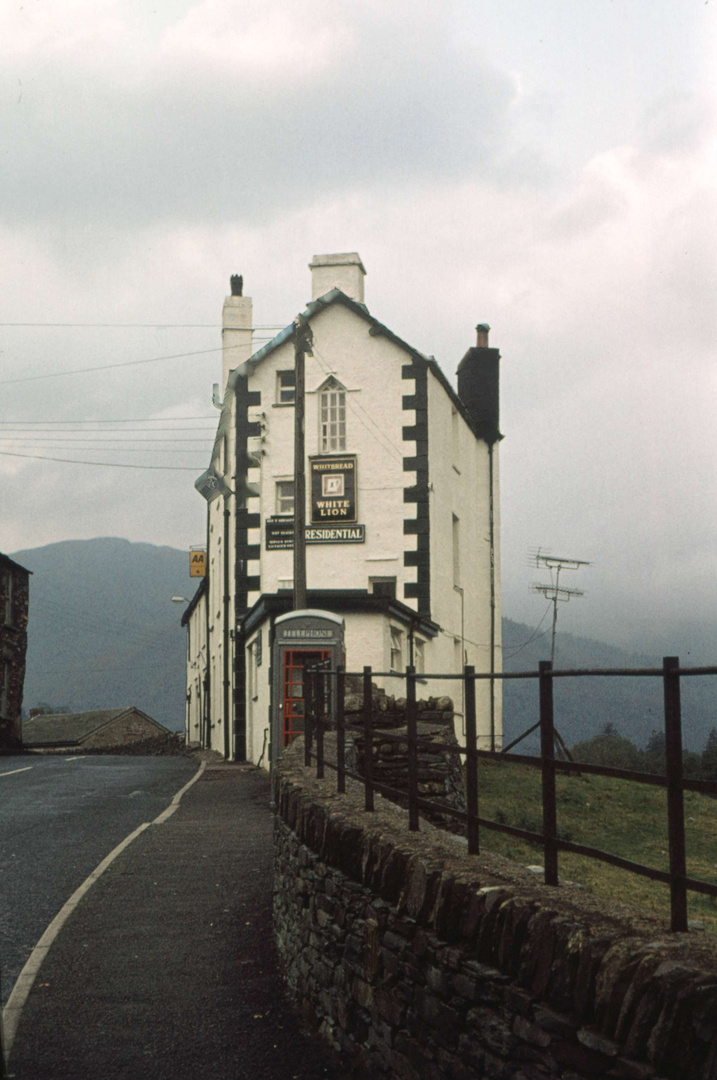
[(23, 985), (160, 820), (13, 771), (75, 758)]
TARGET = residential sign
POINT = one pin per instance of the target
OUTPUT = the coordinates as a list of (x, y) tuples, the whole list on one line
[(279, 534)]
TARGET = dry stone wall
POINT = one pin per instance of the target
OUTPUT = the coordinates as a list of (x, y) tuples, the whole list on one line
[(440, 777), (416, 960)]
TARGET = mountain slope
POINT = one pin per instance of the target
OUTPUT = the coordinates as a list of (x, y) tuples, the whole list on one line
[(583, 706), (103, 631)]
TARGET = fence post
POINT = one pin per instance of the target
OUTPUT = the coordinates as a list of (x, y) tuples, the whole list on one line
[(367, 740), (319, 678), (340, 730), (308, 719), (469, 695), (412, 733), (547, 755), (675, 799)]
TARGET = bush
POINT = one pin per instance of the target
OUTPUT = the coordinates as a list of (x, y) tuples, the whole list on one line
[(610, 749)]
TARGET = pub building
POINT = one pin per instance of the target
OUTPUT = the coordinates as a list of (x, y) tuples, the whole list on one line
[(402, 520)]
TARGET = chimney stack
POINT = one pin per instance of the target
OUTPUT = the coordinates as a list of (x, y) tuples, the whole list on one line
[(236, 329), (479, 386), (345, 272)]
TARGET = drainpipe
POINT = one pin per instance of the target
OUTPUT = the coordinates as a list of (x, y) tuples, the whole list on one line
[(205, 737), (225, 633), (491, 533)]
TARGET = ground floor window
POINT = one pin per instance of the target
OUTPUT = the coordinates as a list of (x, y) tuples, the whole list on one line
[(396, 649)]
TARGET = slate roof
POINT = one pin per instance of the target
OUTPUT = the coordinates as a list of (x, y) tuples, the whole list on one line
[(71, 729), (5, 560), (376, 329)]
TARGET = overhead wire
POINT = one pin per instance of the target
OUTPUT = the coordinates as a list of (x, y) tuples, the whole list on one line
[(116, 449), (103, 464), (107, 367), (533, 637), (39, 441), (139, 326), (130, 420), (379, 435)]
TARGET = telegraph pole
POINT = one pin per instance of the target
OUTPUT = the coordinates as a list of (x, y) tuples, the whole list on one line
[(556, 593), (303, 340)]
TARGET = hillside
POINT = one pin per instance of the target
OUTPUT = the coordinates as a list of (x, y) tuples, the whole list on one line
[(103, 631), (583, 706)]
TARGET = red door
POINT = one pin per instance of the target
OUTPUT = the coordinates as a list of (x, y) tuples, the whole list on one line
[(295, 661)]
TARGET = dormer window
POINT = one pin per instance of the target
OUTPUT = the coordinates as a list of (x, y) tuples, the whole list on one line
[(332, 417)]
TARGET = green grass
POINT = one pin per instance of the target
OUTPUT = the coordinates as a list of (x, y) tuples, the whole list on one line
[(617, 816)]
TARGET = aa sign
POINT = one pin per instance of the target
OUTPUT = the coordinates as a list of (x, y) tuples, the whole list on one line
[(197, 563)]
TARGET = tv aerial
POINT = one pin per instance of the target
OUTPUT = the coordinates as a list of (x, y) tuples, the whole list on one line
[(554, 591)]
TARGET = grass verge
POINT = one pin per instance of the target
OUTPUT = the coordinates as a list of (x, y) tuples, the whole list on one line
[(617, 816)]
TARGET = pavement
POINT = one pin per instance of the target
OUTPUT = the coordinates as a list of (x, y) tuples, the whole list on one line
[(165, 968)]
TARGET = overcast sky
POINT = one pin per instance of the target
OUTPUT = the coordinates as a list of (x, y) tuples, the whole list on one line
[(546, 166)]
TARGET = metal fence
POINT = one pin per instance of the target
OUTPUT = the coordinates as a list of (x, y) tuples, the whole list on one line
[(325, 694)]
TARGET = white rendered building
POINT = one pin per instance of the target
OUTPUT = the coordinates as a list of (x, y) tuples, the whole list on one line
[(402, 513)]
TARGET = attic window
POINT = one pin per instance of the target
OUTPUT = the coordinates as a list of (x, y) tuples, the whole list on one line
[(286, 387), (332, 417)]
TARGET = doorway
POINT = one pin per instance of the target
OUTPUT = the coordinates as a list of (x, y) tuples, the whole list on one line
[(295, 663)]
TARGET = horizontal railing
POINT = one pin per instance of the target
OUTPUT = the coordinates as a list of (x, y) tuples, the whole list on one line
[(325, 701)]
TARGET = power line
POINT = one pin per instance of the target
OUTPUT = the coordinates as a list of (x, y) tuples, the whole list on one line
[(130, 420), (106, 367), (103, 464), (532, 637), (130, 325), (118, 449), (21, 432), (379, 435), (38, 440)]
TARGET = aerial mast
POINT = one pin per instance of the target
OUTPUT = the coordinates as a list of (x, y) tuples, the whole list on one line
[(554, 591)]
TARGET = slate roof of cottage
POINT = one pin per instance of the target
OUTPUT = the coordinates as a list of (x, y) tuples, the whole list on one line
[(71, 729)]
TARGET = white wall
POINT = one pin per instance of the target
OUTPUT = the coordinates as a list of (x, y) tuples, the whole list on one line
[(196, 667), (370, 369), (459, 475)]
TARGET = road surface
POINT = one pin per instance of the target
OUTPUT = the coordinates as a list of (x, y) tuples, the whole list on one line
[(59, 817)]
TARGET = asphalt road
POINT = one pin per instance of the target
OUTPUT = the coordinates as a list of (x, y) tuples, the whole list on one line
[(59, 817)]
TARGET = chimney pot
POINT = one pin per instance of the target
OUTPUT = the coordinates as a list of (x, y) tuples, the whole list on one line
[(482, 331)]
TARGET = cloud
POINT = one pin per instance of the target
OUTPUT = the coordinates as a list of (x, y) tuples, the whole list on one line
[(155, 154), (223, 115)]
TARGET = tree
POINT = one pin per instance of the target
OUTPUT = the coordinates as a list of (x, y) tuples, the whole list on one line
[(609, 748), (708, 764), (653, 756)]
